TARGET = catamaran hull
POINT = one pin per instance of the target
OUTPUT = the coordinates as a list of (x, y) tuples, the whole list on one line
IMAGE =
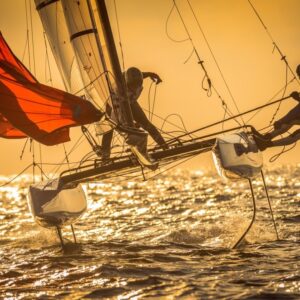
[(52, 206), (236, 156)]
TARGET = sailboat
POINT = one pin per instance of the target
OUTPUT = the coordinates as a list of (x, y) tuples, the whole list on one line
[(80, 35)]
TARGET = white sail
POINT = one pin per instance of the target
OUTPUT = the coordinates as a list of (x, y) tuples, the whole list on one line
[(83, 36), (78, 36), (53, 20)]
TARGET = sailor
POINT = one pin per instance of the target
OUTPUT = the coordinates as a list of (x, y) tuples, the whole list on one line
[(134, 81), (282, 125)]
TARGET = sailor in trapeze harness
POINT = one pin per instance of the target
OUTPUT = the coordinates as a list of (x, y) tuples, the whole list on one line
[(281, 126), (134, 81)]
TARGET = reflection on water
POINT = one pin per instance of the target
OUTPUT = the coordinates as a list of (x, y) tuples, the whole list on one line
[(167, 238)]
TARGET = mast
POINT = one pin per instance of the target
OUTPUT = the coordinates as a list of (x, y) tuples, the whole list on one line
[(113, 55)]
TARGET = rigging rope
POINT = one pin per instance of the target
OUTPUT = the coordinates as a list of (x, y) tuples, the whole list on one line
[(27, 33), (283, 57), (41, 160), (119, 35), (32, 40), (151, 108), (194, 50), (200, 61), (283, 150), (283, 93), (23, 149), (33, 159), (166, 28), (154, 101), (25, 48), (275, 95), (15, 177), (47, 63), (216, 62), (149, 100), (233, 117)]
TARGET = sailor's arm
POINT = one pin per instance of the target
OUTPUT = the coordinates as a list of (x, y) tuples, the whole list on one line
[(295, 95), (291, 139), (153, 76)]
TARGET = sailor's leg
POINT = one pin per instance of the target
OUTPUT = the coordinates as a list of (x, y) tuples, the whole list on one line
[(106, 144), (291, 139), (140, 117), (278, 130)]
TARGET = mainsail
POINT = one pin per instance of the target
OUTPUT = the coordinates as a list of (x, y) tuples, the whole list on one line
[(53, 20), (28, 108), (76, 36)]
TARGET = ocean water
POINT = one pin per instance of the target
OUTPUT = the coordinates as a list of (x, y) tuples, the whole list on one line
[(169, 238)]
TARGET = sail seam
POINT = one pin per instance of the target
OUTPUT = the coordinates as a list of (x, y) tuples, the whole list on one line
[(44, 4)]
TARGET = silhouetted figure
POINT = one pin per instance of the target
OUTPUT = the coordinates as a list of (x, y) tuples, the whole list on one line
[(134, 81), (283, 125)]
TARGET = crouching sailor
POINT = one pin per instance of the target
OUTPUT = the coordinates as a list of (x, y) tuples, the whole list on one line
[(281, 126), (134, 82)]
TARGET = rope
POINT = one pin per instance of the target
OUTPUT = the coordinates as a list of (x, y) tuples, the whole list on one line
[(275, 95), (42, 171), (166, 121), (41, 159), (47, 63), (119, 35), (32, 40), (236, 116), (154, 100), (14, 178), (201, 62), (149, 100), (25, 48), (66, 156), (283, 57), (283, 150), (33, 159), (23, 149), (27, 33), (166, 28), (283, 93), (180, 118), (174, 166), (151, 109)]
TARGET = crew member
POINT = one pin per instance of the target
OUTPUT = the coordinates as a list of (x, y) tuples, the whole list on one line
[(134, 81), (283, 125)]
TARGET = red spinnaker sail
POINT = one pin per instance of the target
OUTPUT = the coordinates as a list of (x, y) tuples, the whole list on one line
[(31, 109)]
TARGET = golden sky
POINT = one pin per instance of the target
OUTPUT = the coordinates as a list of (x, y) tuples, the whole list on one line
[(241, 46)]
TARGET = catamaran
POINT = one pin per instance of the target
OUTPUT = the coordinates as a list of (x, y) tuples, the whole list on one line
[(81, 39)]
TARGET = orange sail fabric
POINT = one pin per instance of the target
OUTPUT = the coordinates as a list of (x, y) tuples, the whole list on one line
[(28, 108)]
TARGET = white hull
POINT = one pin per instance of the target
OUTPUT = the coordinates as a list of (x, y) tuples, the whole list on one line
[(52, 206), (236, 156)]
